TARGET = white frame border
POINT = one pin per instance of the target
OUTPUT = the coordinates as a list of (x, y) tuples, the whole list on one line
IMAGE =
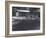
[(30, 31)]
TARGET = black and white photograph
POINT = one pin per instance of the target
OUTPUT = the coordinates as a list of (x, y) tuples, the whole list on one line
[(25, 18)]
